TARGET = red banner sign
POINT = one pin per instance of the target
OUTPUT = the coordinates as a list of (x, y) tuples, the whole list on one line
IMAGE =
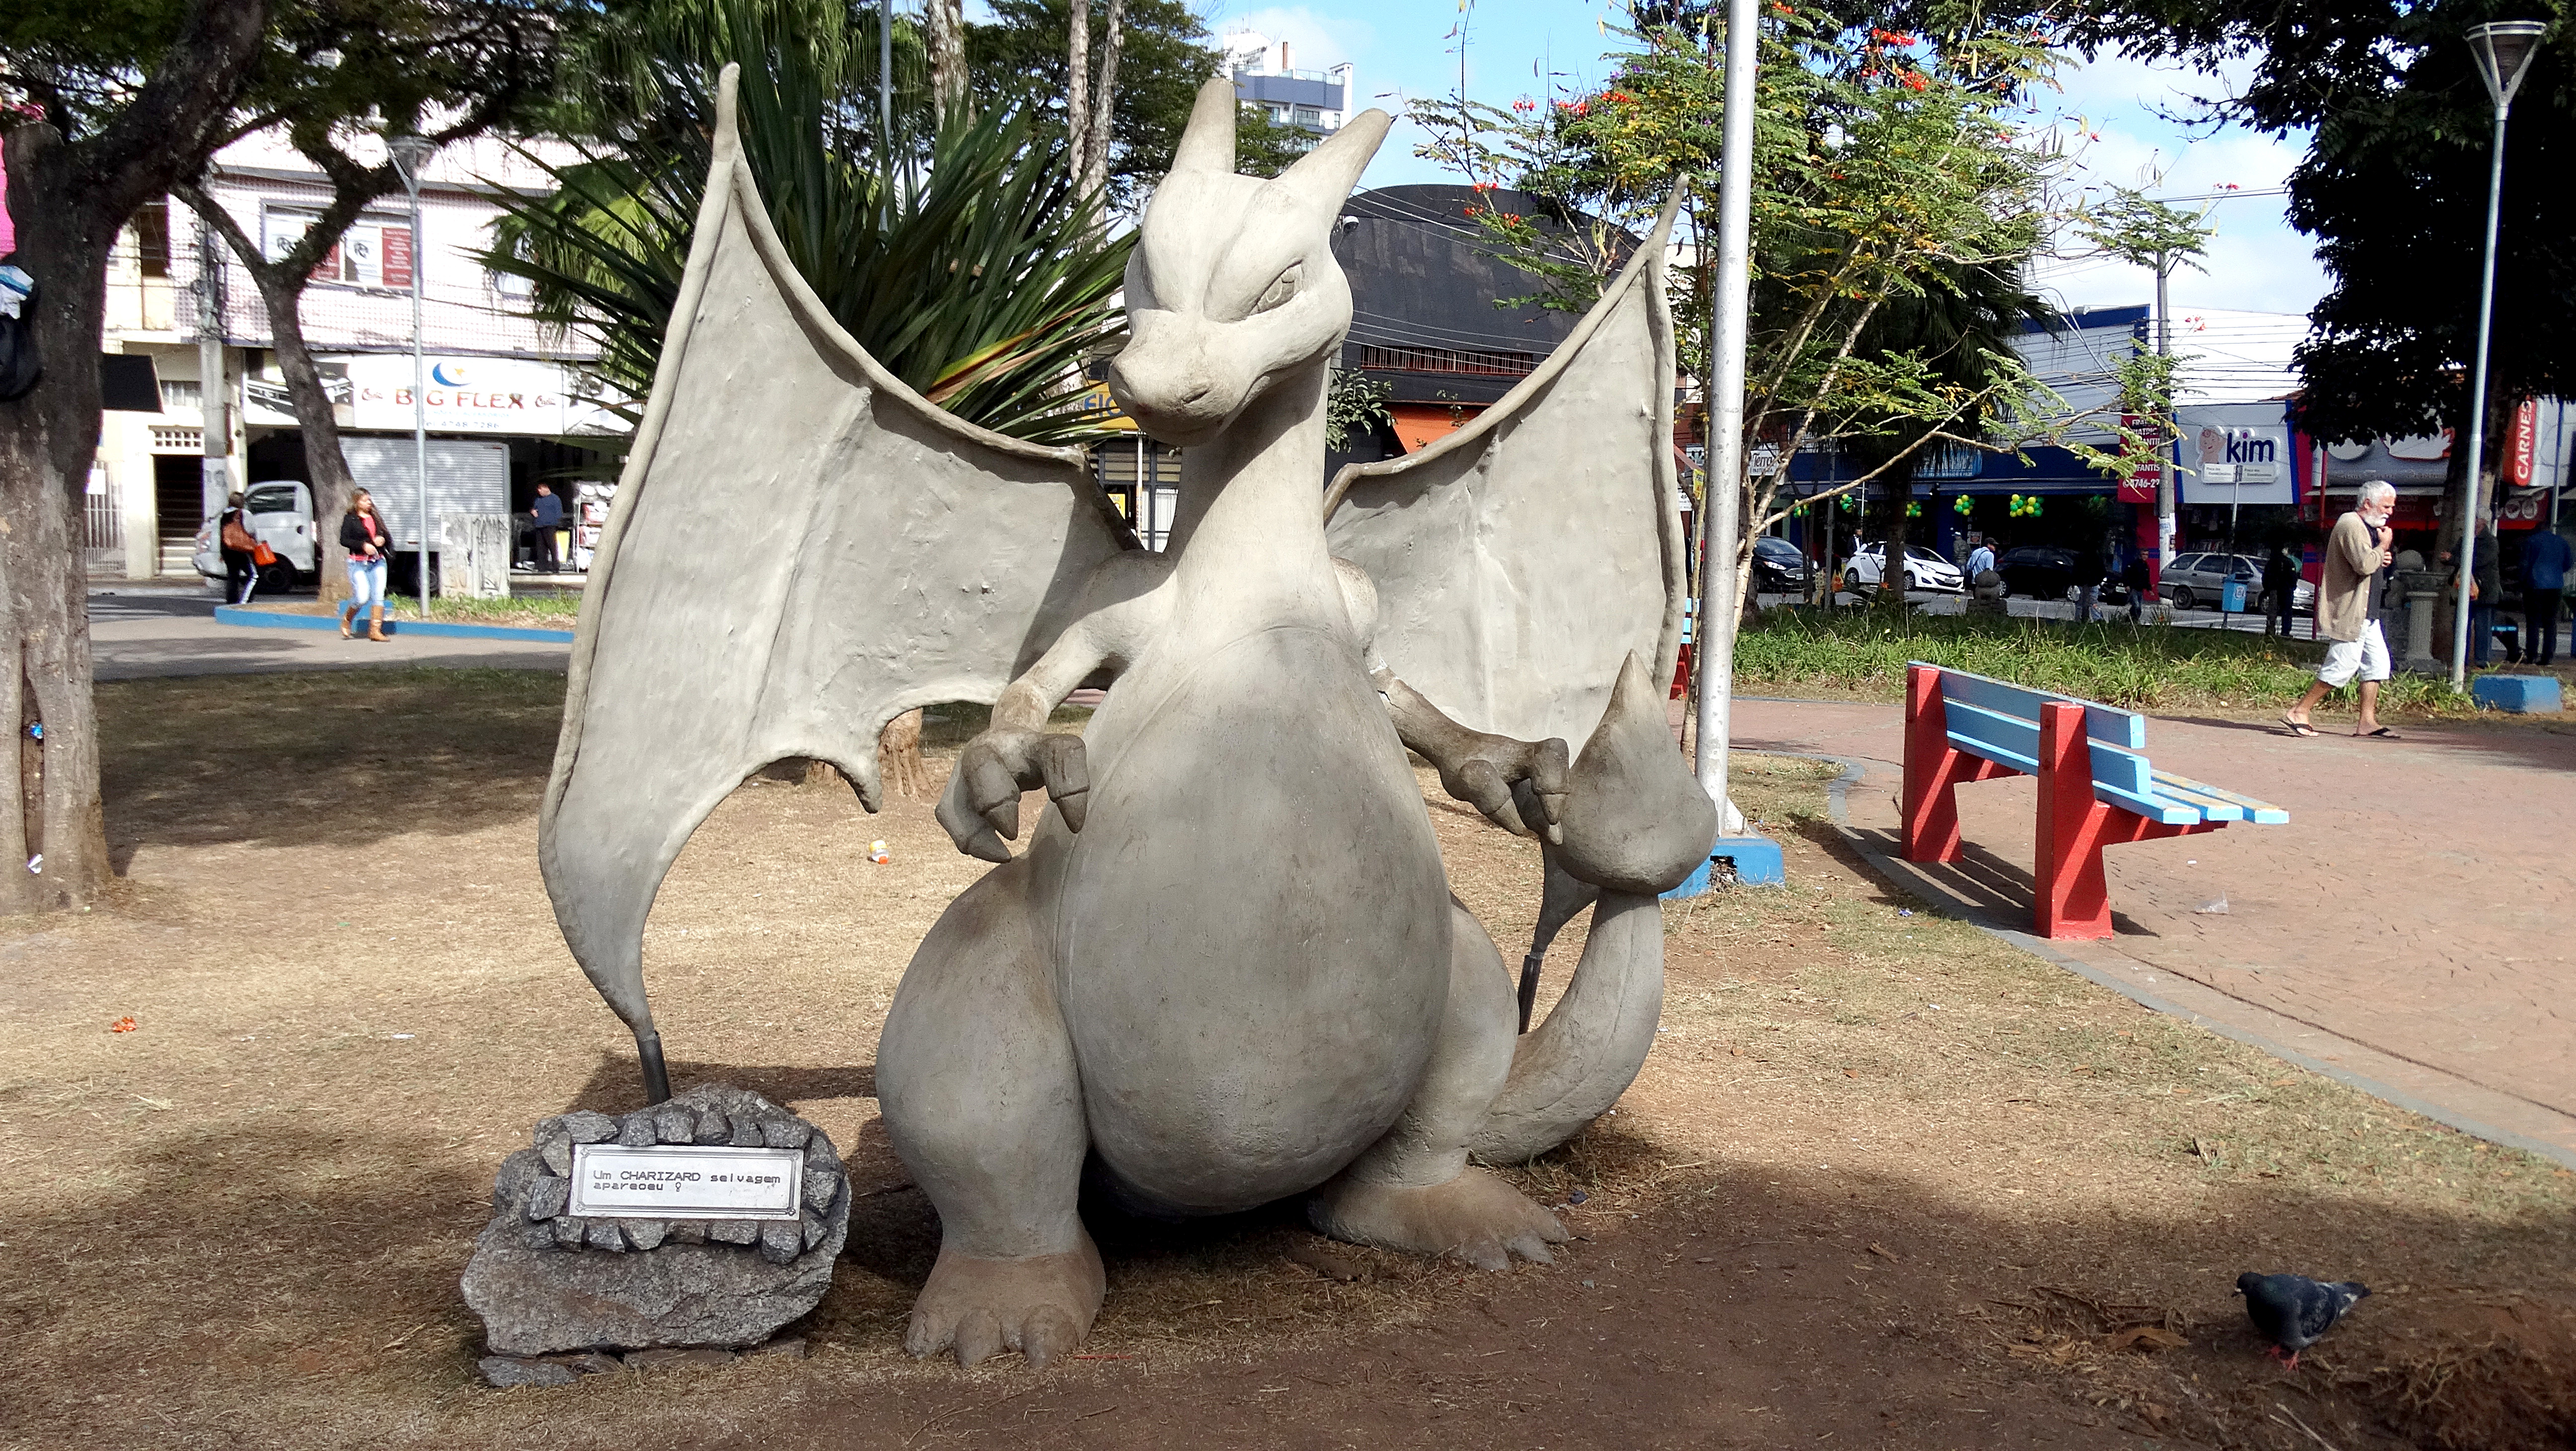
[(2522, 443)]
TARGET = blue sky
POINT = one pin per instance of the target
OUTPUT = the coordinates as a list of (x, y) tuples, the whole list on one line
[(1405, 48)]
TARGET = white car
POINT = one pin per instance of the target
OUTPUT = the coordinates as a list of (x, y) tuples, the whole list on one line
[(281, 516), (1925, 571)]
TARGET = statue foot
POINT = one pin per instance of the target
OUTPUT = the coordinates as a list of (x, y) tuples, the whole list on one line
[(1475, 1216), (1040, 1306)]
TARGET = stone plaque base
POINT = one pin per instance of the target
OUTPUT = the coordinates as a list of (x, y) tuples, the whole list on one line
[(546, 1282)]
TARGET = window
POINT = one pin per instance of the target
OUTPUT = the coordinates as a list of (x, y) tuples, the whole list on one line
[(152, 238), (1310, 116), (270, 499), (1447, 360)]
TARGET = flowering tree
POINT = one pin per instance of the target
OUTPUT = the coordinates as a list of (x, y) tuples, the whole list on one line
[(1895, 203)]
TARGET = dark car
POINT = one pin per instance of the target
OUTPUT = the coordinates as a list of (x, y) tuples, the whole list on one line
[(1781, 568), (2048, 572)]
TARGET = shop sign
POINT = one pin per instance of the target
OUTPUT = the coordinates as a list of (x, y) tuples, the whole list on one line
[(2522, 443), (465, 395)]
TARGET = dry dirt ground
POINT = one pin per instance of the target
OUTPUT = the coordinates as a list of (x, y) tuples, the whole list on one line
[(1884, 1182)]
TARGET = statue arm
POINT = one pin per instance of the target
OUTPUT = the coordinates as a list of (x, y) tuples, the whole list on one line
[(1121, 606)]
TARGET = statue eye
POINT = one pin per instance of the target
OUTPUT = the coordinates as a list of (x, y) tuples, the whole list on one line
[(1280, 291)]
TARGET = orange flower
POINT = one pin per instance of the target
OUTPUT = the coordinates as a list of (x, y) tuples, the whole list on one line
[(122, 1025)]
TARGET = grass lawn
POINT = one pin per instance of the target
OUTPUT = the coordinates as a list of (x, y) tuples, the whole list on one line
[(1863, 653), (1884, 1179), (542, 610)]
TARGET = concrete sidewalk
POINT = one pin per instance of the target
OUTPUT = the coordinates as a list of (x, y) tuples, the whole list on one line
[(141, 633), (2407, 928)]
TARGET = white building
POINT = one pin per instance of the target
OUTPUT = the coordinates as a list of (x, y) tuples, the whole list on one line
[(1264, 76), (494, 376)]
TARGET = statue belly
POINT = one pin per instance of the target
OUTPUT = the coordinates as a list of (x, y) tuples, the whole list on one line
[(1253, 926)]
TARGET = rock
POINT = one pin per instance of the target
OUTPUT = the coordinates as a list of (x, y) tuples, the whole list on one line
[(556, 1152), (822, 1186), (712, 1127), (675, 1126), (540, 1235), (547, 1197), (746, 1132), (637, 1132), (586, 1127), (590, 1362), (819, 1155), (508, 1371), (786, 1347), (786, 1133), (510, 1187), (669, 1359), (781, 1240), (725, 1283)]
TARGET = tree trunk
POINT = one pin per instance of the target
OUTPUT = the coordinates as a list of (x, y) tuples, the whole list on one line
[(1094, 175), (946, 41), (1891, 575), (1077, 89), (53, 843), (323, 459)]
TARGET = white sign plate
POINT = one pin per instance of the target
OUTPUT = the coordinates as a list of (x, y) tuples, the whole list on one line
[(684, 1181)]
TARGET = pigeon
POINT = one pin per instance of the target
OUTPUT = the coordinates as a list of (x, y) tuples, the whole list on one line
[(2293, 1311)]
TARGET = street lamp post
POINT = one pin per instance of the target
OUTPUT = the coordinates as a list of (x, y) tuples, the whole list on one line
[(2504, 50), (410, 152), (1723, 501)]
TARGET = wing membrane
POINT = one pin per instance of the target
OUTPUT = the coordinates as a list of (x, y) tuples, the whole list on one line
[(1519, 560), (802, 548)]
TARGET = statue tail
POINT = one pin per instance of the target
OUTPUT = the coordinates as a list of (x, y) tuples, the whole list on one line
[(1578, 1062)]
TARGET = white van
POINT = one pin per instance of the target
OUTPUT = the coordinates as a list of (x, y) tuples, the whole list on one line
[(281, 516)]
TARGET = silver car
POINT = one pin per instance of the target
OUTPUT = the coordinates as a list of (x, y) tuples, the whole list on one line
[(2199, 581)]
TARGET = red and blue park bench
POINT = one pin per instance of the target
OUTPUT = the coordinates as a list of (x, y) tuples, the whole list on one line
[(2096, 786)]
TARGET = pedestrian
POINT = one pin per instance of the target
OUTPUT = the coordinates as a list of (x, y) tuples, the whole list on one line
[(547, 516), (1980, 559), (2139, 580), (241, 571), (364, 536), (2545, 561), (2355, 552), (2280, 589), (2087, 580), (2486, 587)]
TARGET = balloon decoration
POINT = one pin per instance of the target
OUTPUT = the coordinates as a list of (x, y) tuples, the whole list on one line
[(2025, 506), (1965, 505)]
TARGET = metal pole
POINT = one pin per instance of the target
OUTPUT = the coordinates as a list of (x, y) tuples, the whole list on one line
[(1731, 300), (2470, 502), (2166, 483), (419, 383)]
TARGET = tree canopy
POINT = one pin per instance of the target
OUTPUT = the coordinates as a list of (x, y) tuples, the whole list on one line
[(2394, 188)]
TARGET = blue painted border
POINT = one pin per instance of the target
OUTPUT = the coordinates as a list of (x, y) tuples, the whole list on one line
[(280, 620)]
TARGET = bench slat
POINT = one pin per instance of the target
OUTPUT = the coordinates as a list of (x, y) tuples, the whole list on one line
[(2211, 807), (2262, 813), (2122, 728), (1990, 735), (2163, 810)]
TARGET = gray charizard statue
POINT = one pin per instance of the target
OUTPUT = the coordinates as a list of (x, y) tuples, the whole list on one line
[(1228, 969)]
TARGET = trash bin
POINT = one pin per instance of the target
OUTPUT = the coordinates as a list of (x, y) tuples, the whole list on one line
[(2231, 597)]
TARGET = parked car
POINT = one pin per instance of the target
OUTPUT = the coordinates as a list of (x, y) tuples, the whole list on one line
[(2196, 581), (281, 517), (1924, 570), (1781, 568)]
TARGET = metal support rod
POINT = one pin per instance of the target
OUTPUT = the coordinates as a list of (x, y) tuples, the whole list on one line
[(1730, 300), (2471, 496), (419, 378), (885, 85), (2167, 485)]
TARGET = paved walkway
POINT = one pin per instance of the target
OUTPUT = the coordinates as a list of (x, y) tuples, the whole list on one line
[(2408, 927), (137, 633)]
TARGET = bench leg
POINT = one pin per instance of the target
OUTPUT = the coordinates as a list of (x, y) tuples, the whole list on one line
[(2071, 901), (1934, 771)]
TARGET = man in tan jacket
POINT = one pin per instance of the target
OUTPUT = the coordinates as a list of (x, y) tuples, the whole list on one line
[(2355, 553)]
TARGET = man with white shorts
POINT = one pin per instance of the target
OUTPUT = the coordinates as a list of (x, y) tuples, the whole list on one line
[(2355, 553)]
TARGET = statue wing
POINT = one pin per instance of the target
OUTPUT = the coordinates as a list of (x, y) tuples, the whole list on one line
[(801, 549), (1521, 559)]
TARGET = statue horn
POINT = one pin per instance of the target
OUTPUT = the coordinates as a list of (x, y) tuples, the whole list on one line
[(1207, 144)]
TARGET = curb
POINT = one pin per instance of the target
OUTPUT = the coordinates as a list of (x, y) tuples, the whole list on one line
[(1890, 871), (279, 620)]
